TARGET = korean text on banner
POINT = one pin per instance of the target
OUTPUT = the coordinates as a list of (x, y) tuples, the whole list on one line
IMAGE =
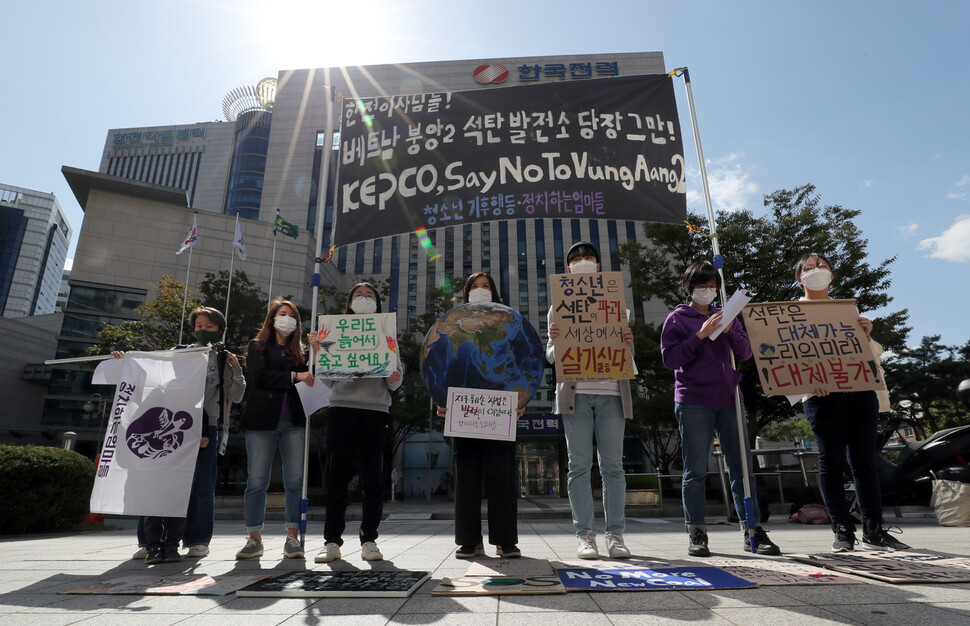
[(805, 345), (152, 441), (590, 310), (607, 148), (481, 414), (357, 346)]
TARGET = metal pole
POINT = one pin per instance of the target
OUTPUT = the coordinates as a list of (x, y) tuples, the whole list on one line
[(185, 295), (272, 266), (427, 495), (232, 258), (750, 520)]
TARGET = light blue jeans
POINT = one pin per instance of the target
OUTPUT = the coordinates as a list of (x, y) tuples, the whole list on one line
[(260, 449), (698, 425), (602, 415)]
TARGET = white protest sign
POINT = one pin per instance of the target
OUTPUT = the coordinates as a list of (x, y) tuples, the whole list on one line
[(481, 414)]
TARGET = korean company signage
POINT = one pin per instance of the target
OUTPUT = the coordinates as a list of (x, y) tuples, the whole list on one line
[(536, 72), (156, 138)]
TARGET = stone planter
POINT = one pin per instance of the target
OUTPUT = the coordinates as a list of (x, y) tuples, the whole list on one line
[(643, 497), (275, 501)]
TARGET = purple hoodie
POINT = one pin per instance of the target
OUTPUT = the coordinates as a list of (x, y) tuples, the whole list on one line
[(702, 368)]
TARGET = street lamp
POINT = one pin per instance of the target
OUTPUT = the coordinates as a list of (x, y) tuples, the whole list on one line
[(97, 404)]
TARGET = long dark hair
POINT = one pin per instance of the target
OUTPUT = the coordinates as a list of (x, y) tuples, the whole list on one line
[(267, 333), (491, 286), (353, 290)]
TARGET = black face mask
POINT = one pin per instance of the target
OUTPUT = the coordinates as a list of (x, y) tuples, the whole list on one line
[(205, 337)]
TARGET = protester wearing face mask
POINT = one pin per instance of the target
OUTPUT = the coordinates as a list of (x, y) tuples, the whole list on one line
[(589, 408), (276, 360), (357, 427), (158, 537), (494, 461), (704, 385), (845, 426)]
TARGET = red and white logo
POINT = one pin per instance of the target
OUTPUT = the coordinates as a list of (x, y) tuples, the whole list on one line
[(488, 74)]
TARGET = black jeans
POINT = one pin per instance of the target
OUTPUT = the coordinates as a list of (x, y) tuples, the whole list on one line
[(845, 429), (496, 461), (355, 435), (163, 531)]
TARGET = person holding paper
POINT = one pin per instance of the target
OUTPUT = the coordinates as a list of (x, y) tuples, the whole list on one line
[(275, 361), (495, 460), (845, 426), (158, 537), (588, 409), (704, 387), (357, 428)]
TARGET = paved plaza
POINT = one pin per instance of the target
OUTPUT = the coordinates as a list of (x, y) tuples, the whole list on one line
[(35, 568)]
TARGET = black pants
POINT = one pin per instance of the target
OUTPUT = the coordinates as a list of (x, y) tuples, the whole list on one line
[(355, 435), (496, 461), (845, 426), (163, 531)]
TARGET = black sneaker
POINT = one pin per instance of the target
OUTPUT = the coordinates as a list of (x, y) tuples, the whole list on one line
[(468, 552), (508, 552), (156, 555), (844, 539), (698, 543), (172, 554), (762, 545), (880, 539)]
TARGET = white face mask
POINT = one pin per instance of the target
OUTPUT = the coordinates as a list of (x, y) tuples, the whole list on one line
[(284, 325), (363, 305), (817, 279), (583, 267), (480, 294), (703, 295)]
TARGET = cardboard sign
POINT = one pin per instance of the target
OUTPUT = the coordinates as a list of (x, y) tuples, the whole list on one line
[(357, 346), (360, 584), (629, 579), (168, 585), (509, 568), (777, 572), (805, 345), (901, 566), (499, 586), (590, 310), (481, 414)]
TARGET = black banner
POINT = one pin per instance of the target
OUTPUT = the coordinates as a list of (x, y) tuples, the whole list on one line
[(604, 148)]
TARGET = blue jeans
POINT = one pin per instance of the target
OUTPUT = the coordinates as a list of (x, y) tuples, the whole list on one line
[(845, 426), (260, 449), (602, 415), (698, 426), (200, 516)]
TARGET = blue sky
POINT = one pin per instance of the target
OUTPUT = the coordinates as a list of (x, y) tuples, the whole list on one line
[(866, 100)]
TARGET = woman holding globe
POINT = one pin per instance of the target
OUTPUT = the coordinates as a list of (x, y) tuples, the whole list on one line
[(493, 460)]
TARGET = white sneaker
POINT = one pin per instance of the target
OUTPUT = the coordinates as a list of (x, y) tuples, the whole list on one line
[(292, 548), (330, 552), (369, 552), (587, 547), (197, 551), (140, 554), (616, 547)]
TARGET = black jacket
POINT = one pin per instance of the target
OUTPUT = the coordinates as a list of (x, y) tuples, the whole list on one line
[(269, 379)]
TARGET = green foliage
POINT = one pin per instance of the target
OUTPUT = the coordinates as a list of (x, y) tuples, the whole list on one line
[(788, 430), (923, 380), (158, 326), (248, 306), (43, 489), (760, 254), (653, 420)]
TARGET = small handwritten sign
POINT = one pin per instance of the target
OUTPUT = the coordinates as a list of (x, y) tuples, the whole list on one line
[(481, 414), (805, 345), (357, 346), (590, 310)]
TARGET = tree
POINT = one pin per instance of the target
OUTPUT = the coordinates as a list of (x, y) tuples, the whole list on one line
[(247, 302), (922, 383), (760, 254), (158, 325)]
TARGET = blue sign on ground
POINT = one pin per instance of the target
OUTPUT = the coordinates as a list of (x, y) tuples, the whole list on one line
[(681, 578)]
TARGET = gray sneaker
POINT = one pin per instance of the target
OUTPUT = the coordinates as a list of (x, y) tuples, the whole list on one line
[(616, 547), (251, 550), (292, 548)]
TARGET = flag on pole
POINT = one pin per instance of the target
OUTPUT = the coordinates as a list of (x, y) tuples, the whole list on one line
[(282, 226), (152, 441), (238, 242), (192, 237)]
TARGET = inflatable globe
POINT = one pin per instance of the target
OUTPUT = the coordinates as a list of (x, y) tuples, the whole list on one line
[(484, 345)]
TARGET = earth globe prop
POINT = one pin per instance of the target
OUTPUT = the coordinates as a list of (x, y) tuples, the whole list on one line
[(482, 345)]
